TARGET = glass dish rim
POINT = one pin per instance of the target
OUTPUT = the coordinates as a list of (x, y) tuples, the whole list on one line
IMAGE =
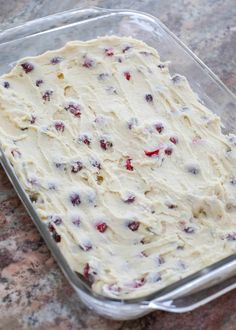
[(73, 279)]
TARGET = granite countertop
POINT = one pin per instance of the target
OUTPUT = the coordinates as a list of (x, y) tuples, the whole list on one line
[(33, 292)]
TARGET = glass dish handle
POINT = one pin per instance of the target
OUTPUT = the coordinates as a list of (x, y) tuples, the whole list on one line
[(199, 292)]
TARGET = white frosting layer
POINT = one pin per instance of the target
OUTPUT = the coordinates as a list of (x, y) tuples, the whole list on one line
[(128, 168)]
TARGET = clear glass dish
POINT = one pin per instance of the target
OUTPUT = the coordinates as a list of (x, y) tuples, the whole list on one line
[(53, 32)]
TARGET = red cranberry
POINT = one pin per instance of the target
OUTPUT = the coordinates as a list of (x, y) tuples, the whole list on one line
[(76, 167), (159, 127), (86, 271), (149, 98), (6, 84), (56, 237), (50, 227), (27, 67), (102, 227), (127, 75), (39, 82), (130, 199), (133, 225), (152, 153), (105, 144), (174, 139), (59, 126), (138, 283), (85, 139), (47, 95), (74, 108), (88, 63), (109, 52), (168, 151), (56, 59), (129, 165), (75, 199)]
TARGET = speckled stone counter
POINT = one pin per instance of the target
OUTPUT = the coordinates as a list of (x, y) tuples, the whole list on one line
[(33, 292)]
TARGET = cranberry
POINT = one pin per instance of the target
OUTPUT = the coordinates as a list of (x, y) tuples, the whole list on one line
[(149, 98), (51, 228), (59, 126), (125, 49), (159, 127), (133, 225), (231, 236), (102, 227), (32, 120), (85, 139), (27, 67), (86, 271), (109, 52), (74, 108), (174, 139), (129, 165), (127, 75), (88, 63), (130, 199), (56, 237), (138, 283), (168, 151), (75, 199), (86, 246), (152, 153), (16, 153), (76, 167), (47, 95), (189, 230), (6, 84), (56, 59), (39, 82), (171, 206), (105, 144), (76, 221)]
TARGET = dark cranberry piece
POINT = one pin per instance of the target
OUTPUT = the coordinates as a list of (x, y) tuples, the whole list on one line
[(231, 237), (174, 139), (27, 67), (152, 153), (193, 170), (56, 237), (76, 167), (6, 84), (47, 95), (171, 206), (51, 228), (86, 246), (56, 59), (109, 52), (102, 227), (88, 63), (38, 82), (16, 153), (32, 120), (76, 221), (168, 151), (130, 199), (86, 271), (74, 108), (85, 139), (105, 144), (149, 98), (75, 199), (59, 126), (159, 127), (127, 75), (189, 230), (161, 66), (129, 165), (233, 182), (133, 225), (138, 283), (125, 49)]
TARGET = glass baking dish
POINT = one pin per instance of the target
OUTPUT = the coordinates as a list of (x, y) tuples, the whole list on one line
[(53, 32)]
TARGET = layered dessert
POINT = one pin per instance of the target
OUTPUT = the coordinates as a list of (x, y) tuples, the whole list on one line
[(125, 165)]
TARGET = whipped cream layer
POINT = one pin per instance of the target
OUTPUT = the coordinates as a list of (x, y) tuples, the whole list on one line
[(123, 163)]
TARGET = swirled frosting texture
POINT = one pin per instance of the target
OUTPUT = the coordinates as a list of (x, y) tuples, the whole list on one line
[(128, 169)]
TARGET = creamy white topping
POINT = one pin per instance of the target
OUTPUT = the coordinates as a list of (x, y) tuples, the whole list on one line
[(129, 170)]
